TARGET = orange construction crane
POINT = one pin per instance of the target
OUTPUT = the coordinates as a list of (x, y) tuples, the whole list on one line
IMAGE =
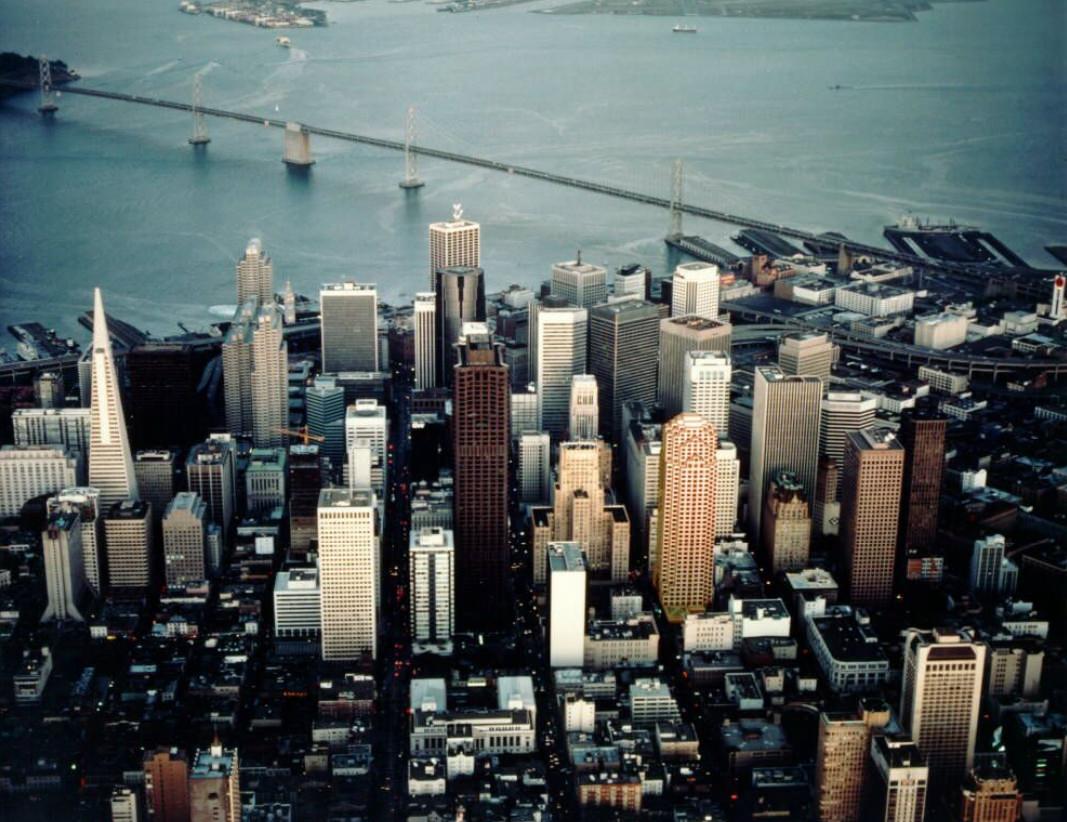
[(301, 432)]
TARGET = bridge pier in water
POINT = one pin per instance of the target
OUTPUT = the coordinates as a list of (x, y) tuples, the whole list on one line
[(297, 147)]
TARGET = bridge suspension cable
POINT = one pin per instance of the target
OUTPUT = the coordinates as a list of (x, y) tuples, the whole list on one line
[(200, 136), (48, 93), (411, 159)]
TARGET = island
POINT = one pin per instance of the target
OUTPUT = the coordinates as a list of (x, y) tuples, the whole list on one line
[(269, 14), (894, 11), (18, 72)]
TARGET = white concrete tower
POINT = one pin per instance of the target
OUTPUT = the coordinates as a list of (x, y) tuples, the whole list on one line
[(255, 274), (454, 242), (707, 387), (695, 290), (585, 408), (566, 605), (425, 340), (269, 380), (562, 341)]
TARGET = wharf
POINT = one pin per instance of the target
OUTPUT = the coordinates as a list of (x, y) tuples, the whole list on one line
[(702, 250)]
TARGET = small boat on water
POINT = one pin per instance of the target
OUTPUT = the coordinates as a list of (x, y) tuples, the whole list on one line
[(284, 42), (680, 29)]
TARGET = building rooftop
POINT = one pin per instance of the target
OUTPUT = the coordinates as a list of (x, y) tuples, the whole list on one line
[(213, 763), (128, 509), (297, 579), (696, 323), (809, 579), (847, 640), (753, 735), (345, 498), (638, 628), (565, 556)]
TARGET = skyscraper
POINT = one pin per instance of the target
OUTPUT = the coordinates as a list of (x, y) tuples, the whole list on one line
[(682, 574), (808, 353), (695, 290), (566, 605), (237, 368), (842, 413), (940, 699), (707, 387), (270, 380), (128, 534), (785, 433), (166, 785), (870, 506), (632, 279), (54, 426), (349, 317), (842, 759), (211, 473), (183, 539), (922, 433), (535, 472), (992, 574), (786, 524), (727, 485), (86, 501), (454, 242), (348, 573), (623, 350), (27, 471), (324, 405), (432, 560), (110, 459), (481, 437), (561, 339), (989, 792), (255, 274), (165, 401), (425, 340), (585, 411), (367, 426), (215, 785), (677, 337), (460, 299), (63, 566), (580, 284), (156, 476), (900, 783), (306, 474)]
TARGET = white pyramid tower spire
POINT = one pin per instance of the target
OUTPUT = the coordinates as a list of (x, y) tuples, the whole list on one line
[(110, 460)]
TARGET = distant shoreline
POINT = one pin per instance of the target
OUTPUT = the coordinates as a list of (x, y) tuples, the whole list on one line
[(860, 11)]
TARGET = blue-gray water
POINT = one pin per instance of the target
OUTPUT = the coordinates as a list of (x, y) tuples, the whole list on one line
[(959, 115)]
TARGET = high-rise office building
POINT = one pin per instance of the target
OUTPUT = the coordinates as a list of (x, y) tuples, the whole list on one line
[(425, 321), (454, 242), (727, 488), (899, 785), (349, 317), (86, 501), (580, 284), (826, 510), (786, 524), (695, 290), (842, 413), (992, 574), (237, 368), (842, 759), (266, 473), (431, 555), (870, 506), (585, 410), (128, 534), (110, 459), (533, 311), (707, 387), (166, 785), (348, 573), (183, 539), (562, 341), (566, 605), (166, 404), (270, 380), (922, 433), (677, 337), (215, 785), (156, 478), (63, 567), (211, 473), (682, 574), (940, 699), (785, 433), (255, 274), (27, 471), (306, 478), (623, 351), (50, 389), (481, 403), (324, 405), (68, 427), (633, 279), (989, 792), (298, 607), (460, 299), (367, 426), (534, 469), (808, 353)]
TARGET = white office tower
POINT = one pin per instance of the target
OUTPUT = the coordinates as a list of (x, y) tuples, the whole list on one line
[(63, 567), (580, 284), (184, 529), (432, 559), (270, 380), (941, 697), (297, 604), (585, 408), (454, 242), (707, 387), (425, 340), (842, 413), (727, 485), (255, 274), (53, 426), (124, 807), (900, 781), (535, 470), (86, 501), (632, 281), (809, 353), (524, 410), (289, 304), (785, 433), (992, 573), (237, 368), (366, 420), (27, 471), (348, 573), (562, 337), (110, 458), (349, 318), (566, 605), (695, 290)]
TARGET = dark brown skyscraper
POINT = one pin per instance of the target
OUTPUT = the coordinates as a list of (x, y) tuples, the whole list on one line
[(164, 406), (306, 472), (922, 433), (481, 434), (166, 785)]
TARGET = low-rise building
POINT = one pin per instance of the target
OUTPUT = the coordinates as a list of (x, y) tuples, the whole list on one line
[(625, 643), (847, 650)]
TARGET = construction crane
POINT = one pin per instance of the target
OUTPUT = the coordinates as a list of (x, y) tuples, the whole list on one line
[(301, 432)]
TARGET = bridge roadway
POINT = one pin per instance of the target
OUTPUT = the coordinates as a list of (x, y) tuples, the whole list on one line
[(963, 272)]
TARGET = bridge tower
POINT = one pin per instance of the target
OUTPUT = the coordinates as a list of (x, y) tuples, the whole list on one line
[(676, 199), (200, 137), (48, 105), (411, 159), (297, 147)]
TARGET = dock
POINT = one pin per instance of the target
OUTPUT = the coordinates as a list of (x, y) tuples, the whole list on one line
[(702, 249)]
